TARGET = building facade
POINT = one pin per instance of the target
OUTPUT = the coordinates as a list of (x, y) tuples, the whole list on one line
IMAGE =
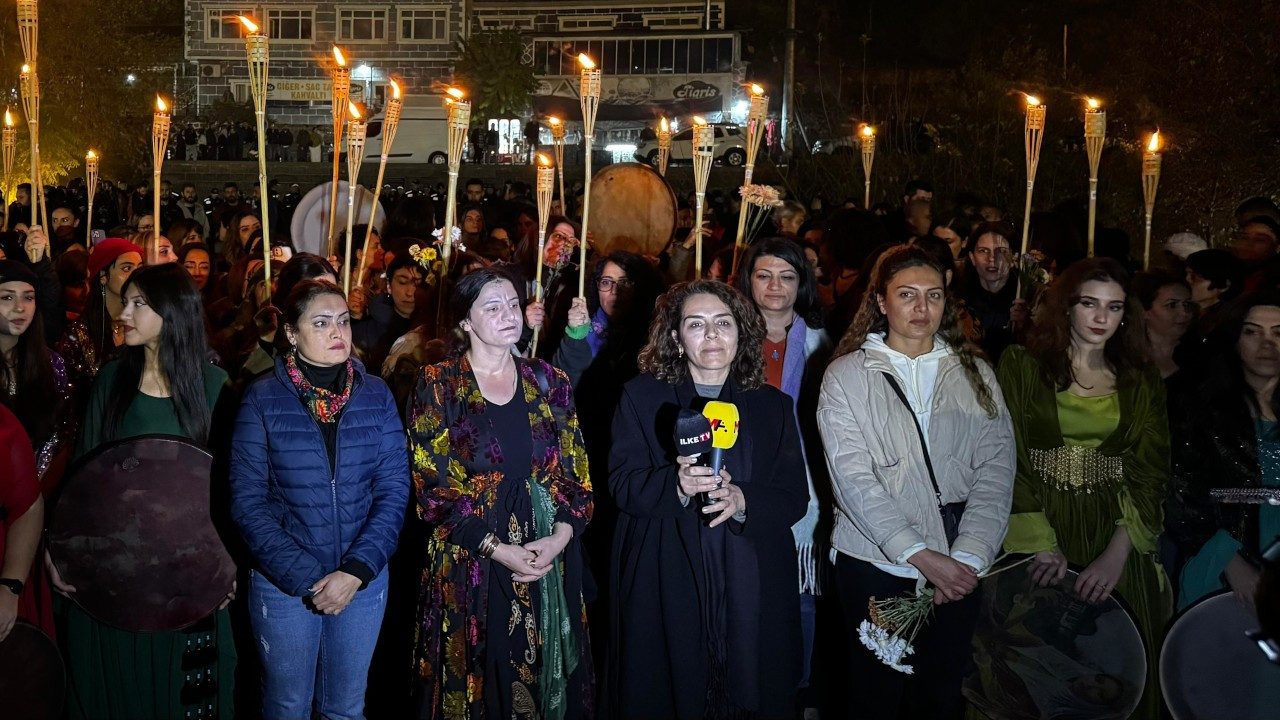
[(660, 57)]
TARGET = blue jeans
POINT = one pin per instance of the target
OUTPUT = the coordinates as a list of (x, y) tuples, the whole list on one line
[(312, 659)]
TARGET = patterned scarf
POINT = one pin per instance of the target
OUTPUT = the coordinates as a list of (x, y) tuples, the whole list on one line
[(324, 404)]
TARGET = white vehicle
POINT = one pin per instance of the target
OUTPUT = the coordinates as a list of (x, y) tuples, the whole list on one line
[(729, 147), (423, 135)]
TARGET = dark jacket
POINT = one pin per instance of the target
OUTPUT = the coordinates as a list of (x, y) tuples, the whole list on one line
[(659, 664), (1214, 447), (300, 520)]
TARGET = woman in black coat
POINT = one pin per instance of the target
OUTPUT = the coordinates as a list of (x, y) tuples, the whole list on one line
[(706, 615)]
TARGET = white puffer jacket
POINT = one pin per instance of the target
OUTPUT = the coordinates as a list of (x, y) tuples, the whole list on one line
[(885, 504)]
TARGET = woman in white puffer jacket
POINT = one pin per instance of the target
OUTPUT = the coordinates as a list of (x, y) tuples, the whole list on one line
[(921, 453)]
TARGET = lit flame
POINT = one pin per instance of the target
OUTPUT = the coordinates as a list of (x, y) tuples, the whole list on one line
[(666, 126), (26, 69), (586, 62), (160, 106), (756, 89), (868, 131), (697, 120), (1032, 100), (543, 160), (8, 118), (1154, 144), (1093, 103), (456, 93), (395, 90), (92, 155), (249, 25), (353, 110), (339, 57), (553, 120)]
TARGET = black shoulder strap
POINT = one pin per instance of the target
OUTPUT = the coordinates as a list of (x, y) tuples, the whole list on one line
[(924, 447)]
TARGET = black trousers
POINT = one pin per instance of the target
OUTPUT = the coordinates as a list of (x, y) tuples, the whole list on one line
[(943, 651)]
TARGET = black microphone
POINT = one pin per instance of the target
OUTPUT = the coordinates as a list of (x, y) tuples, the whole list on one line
[(693, 433), (694, 436)]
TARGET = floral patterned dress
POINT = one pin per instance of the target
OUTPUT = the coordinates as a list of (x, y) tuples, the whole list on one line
[(486, 646)]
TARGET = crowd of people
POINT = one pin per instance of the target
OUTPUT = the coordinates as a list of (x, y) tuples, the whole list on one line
[(484, 496)]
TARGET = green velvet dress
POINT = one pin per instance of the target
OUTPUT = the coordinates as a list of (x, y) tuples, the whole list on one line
[(1085, 467), (114, 673)]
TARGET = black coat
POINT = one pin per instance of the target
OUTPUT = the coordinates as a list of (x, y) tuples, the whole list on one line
[(659, 664)]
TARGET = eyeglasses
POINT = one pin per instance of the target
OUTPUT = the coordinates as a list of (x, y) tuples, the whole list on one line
[(608, 284), (146, 228), (563, 237)]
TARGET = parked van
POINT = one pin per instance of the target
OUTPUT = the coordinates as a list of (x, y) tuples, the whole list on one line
[(423, 135)]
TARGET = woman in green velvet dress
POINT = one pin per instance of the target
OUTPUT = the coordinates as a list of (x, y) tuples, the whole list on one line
[(1093, 450), (162, 384)]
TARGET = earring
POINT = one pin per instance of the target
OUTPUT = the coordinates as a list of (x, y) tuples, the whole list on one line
[(680, 350)]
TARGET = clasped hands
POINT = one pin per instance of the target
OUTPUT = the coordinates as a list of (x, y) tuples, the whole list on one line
[(533, 560)]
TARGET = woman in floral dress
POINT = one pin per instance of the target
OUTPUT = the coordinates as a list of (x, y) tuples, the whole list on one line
[(501, 476)]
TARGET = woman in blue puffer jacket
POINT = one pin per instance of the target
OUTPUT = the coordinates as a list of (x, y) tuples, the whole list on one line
[(319, 488)]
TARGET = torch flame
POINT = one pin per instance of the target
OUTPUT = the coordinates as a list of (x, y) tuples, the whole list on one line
[(1093, 103), (91, 155), (339, 57), (697, 120), (543, 160), (756, 89), (456, 93), (1032, 100), (553, 120), (353, 110), (666, 126), (160, 106), (1154, 144), (868, 131), (26, 69), (8, 118), (395, 89), (586, 62), (249, 25)]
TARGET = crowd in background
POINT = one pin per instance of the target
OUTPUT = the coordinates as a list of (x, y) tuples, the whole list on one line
[(915, 401)]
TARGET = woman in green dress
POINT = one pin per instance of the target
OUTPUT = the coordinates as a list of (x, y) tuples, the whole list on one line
[(160, 385), (1093, 450)]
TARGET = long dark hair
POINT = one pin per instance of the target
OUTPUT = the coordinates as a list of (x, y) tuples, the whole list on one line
[(1050, 336), (1230, 387), (790, 252), (34, 403), (662, 356), (871, 320), (182, 354)]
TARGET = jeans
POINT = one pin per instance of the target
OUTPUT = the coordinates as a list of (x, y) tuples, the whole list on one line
[(312, 659)]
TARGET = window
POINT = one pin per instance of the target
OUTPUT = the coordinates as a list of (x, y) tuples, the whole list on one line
[(499, 22), (362, 25), (668, 21), (424, 24), (224, 23), (588, 22), (290, 24)]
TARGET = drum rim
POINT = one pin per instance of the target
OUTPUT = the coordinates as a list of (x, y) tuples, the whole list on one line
[(1165, 688), (61, 664)]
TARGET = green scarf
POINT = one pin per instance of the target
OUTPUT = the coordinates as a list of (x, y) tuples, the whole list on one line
[(559, 647)]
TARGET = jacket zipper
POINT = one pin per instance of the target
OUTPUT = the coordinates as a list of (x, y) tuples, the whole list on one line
[(333, 477)]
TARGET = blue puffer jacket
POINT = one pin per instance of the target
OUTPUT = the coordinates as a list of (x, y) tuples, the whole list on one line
[(301, 521)]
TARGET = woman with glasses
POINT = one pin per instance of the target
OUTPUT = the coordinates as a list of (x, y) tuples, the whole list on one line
[(560, 285)]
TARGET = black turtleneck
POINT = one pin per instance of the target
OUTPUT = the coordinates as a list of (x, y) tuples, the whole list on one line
[(333, 378)]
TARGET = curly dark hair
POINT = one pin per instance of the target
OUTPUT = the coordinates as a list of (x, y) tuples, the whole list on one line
[(1049, 339), (662, 356), (871, 320)]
